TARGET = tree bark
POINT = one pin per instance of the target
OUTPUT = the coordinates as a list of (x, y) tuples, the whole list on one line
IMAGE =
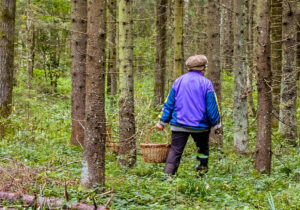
[(7, 31), (178, 39), (263, 142), (93, 162), (127, 152), (202, 39), (288, 119), (112, 52), (240, 78), (227, 34), (161, 51), (30, 42), (213, 32), (214, 64), (250, 54), (78, 50), (276, 55)]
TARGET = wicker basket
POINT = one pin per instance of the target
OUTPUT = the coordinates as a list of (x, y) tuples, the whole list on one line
[(155, 152), (112, 146)]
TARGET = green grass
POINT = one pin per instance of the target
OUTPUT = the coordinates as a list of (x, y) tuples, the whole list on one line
[(38, 139)]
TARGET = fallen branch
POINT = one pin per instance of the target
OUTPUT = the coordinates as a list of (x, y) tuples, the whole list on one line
[(47, 202), (106, 205)]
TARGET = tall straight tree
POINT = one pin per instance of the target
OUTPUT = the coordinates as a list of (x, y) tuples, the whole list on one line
[(264, 110), (250, 53), (78, 45), (213, 33), (213, 55), (30, 42), (127, 152), (276, 54), (112, 76), (178, 39), (161, 51), (93, 162), (202, 43), (7, 30), (240, 78), (226, 34), (288, 119)]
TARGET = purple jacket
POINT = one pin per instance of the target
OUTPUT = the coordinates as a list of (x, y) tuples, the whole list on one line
[(192, 103)]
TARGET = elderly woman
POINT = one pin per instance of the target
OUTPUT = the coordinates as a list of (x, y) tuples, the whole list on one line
[(191, 109)]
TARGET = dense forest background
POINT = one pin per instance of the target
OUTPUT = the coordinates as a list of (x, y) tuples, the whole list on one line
[(41, 155)]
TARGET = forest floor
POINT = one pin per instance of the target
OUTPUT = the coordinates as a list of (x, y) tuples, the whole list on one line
[(36, 158)]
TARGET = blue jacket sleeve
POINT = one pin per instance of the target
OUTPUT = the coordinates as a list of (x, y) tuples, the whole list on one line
[(166, 112), (212, 107)]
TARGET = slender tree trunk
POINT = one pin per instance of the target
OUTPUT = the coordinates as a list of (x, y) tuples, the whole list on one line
[(187, 49), (161, 51), (112, 51), (127, 152), (288, 119), (29, 42), (250, 54), (276, 54), (227, 34), (263, 142), (213, 32), (203, 43), (298, 42), (240, 78), (93, 162), (170, 32), (178, 39), (7, 31), (214, 61), (78, 45)]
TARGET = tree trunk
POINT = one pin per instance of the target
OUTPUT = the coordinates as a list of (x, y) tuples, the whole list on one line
[(7, 30), (93, 162), (112, 52), (127, 152), (186, 24), (288, 119), (213, 32), (178, 39), (240, 78), (78, 45), (170, 32), (227, 34), (30, 42), (250, 54), (161, 51), (298, 42), (214, 67), (202, 43), (276, 54), (263, 142)]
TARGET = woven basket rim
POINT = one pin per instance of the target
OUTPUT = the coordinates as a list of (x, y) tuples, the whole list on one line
[(154, 145)]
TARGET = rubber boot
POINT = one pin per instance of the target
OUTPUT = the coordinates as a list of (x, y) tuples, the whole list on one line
[(203, 166), (170, 169)]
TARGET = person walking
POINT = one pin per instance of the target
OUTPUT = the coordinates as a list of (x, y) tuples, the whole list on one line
[(191, 109)]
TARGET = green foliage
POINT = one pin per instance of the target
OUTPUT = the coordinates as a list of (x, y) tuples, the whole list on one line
[(39, 138), (37, 154)]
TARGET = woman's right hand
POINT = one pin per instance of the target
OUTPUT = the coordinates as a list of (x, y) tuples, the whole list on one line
[(159, 126)]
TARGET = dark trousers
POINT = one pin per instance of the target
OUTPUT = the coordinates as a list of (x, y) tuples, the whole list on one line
[(179, 140)]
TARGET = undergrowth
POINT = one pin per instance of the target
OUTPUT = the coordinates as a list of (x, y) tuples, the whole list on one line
[(36, 158)]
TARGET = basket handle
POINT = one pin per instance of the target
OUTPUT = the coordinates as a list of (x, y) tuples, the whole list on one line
[(151, 129)]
